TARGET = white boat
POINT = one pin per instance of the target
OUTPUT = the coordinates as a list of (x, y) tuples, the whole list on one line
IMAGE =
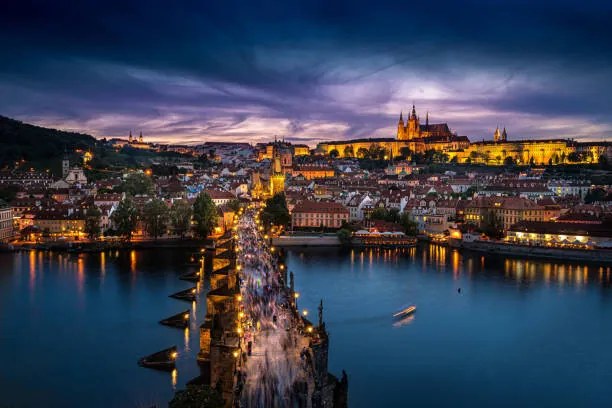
[(405, 312)]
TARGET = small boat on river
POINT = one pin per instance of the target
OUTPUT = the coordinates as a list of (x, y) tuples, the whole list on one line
[(405, 312)]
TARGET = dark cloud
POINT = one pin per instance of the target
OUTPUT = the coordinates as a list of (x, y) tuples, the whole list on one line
[(307, 70)]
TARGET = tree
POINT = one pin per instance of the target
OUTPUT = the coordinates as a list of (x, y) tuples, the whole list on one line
[(234, 205), (125, 218), (410, 227), (363, 153), (405, 152), (508, 161), (276, 211), (92, 222), (492, 226), (596, 194), (334, 153), (204, 215), (573, 157), (348, 151), (155, 216), (345, 236), (180, 216), (137, 184)]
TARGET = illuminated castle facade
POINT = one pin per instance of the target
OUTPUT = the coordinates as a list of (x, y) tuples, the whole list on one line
[(422, 137), (414, 130)]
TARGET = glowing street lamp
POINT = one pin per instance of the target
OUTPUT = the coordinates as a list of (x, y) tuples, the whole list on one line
[(305, 312)]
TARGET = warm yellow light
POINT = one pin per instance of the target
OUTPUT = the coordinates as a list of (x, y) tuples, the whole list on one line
[(282, 267), (309, 329), (305, 312), (296, 295), (239, 330), (239, 298), (241, 315), (174, 355), (272, 249), (186, 316), (193, 290)]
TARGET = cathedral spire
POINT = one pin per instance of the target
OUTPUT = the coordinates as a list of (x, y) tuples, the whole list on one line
[(427, 120)]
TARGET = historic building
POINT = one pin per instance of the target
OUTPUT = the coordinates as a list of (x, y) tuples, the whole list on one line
[(277, 176), (422, 137), (412, 135), (414, 130)]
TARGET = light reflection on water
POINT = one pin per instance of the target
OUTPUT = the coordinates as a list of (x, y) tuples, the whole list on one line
[(86, 319), (525, 325)]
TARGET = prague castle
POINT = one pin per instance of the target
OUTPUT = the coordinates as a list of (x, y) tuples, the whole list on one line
[(423, 137)]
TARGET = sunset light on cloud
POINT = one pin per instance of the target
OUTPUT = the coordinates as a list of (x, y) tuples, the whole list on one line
[(308, 71)]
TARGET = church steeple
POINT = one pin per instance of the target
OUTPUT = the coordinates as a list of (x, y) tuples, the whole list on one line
[(497, 135), (504, 135), (130, 137), (140, 137)]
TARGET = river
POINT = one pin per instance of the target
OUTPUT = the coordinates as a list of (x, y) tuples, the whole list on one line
[(519, 333)]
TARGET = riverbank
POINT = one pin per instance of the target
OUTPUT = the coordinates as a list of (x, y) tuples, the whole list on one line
[(524, 251), (101, 246)]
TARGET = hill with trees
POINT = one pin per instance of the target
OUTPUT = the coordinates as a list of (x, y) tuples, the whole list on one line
[(22, 141)]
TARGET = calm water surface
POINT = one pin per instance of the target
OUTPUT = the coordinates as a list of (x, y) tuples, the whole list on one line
[(72, 328), (534, 333)]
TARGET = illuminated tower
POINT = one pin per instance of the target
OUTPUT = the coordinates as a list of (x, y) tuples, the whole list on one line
[(130, 137), (497, 135), (413, 128), (140, 138), (504, 135), (65, 165), (401, 131), (277, 177)]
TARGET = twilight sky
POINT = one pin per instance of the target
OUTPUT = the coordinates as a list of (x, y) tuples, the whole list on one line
[(197, 70)]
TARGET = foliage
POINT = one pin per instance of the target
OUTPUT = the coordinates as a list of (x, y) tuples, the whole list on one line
[(363, 153), (234, 205), (136, 184), (180, 216), (155, 215), (508, 161), (344, 236), (573, 157), (597, 194), (348, 151), (125, 218), (8, 193), (410, 227), (334, 153), (204, 215), (276, 211), (492, 226), (197, 396), (92, 222), (33, 143), (405, 152)]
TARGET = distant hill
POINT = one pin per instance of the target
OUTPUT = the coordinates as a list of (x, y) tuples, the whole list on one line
[(20, 140)]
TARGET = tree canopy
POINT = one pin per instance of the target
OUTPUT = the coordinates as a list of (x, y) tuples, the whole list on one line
[(125, 218), (204, 215), (276, 211), (180, 216), (155, 215)]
